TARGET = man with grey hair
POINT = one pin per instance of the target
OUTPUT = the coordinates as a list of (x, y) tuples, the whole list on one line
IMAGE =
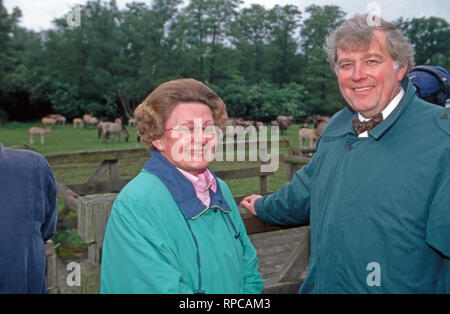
[(377, 192)]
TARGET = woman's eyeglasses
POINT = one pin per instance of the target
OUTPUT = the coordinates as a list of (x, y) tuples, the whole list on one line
[(182, 130)]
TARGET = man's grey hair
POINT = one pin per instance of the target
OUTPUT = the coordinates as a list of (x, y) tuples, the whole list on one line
[(356, 33)]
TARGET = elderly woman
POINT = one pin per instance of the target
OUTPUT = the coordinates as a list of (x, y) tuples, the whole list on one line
[(175, 227)]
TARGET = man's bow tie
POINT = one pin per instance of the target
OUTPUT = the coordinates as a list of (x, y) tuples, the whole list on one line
[(361, 127)]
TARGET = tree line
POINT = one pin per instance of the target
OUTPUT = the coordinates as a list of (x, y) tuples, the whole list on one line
[(262, 62)]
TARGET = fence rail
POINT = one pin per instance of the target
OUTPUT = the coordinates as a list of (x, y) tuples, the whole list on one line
[(108, 164)]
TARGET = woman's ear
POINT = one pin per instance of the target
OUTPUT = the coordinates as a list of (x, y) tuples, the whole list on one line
[(158, 144)]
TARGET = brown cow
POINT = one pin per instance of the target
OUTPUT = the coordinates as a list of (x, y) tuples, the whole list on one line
[(60, 119), (320, 122), (284, 122), (48, 121), (78, 121), (40, 131), (308, 134), (90, 120)]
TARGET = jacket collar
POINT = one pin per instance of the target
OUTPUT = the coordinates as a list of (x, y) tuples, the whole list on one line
[(182, 189), (342, 121)]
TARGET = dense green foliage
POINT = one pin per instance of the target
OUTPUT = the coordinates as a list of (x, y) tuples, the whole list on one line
[(262, 62)]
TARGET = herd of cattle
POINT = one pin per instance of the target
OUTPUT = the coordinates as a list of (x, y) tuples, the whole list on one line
[(107, 129), (305, 134)]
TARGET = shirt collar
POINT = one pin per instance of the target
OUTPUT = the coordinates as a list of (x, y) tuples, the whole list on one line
[(202, 182), (389, 108), (342, 120), (182, 189)]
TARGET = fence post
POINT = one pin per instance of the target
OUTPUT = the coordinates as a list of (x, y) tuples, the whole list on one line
[(92, 219), (293, 163), (52, 278)]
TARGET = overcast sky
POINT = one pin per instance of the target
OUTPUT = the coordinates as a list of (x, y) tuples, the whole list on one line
[(38, 14)]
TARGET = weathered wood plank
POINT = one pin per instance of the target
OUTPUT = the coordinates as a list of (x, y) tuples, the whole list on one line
[(129, 153), (99, 187), (296, 263), (239, 198), (237, 145), (93, 217), (51, 275), (291, 287), (241, 173), (70, 198), (296, 160), (307, 151), (104, 166), (274, 249), (97, 155)]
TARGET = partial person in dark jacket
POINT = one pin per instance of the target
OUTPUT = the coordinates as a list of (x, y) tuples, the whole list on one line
[(28, 218)]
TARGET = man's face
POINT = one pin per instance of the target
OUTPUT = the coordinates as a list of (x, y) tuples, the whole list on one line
[(367, 78)]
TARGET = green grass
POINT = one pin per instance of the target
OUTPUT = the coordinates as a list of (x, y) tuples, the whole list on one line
[(61, 139), (65, 139)]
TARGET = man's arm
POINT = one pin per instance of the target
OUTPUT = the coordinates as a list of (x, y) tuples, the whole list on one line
[(288, 206)]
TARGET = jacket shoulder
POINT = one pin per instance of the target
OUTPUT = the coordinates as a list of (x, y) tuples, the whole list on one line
[(433, 115), (140, 195), (339, 123), (22, 158), (442, 119), (24, 164)]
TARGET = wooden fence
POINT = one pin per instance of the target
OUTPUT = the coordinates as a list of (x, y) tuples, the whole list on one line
[(93, 212), (109, 160)]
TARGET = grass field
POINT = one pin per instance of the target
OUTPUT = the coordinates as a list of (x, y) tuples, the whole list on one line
[(66, 139)]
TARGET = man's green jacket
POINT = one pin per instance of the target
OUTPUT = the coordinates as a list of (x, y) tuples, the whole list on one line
[(378, 207)]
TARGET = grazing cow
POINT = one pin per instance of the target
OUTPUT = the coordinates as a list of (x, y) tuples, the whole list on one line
[(236, 121), (322, 123), (258, 124), (60, 119), (132, 122), (78, 121), (231, 121), (319, 122), (307, 134), (87, 116), (40, 131), (90, 121), (246, 123), (105, 129), (48, 121), (284, 122)]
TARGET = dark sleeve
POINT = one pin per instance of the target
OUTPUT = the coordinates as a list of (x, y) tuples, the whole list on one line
[(50, 191), (290, 205)]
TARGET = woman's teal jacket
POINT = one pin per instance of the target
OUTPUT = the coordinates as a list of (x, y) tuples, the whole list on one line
[(151, 247)]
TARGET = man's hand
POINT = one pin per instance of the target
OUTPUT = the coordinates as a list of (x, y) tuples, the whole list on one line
[(249, 201)]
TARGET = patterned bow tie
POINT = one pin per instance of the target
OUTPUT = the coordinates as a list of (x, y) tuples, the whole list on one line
[(361, 127)]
